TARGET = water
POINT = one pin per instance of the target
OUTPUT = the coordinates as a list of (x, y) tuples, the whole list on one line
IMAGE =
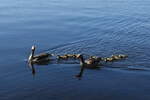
[(94, 27)]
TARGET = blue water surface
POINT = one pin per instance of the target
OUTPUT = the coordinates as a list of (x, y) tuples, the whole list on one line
[(94, 27)]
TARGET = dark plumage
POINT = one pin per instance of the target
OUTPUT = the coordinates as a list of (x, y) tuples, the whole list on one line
[(43, 57), (92, 62), (114, 58)]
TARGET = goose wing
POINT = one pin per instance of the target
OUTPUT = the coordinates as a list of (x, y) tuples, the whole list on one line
[(42, 56)]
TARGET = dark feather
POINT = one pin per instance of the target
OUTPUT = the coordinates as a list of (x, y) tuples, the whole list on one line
[(41, 56)]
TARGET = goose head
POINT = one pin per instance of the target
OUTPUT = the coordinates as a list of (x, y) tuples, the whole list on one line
[(32, 54), (33, 48)]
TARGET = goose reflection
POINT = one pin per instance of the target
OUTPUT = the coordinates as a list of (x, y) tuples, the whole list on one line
[(31, 65), (41, 63)]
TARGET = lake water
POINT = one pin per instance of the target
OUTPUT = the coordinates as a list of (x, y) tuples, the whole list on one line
[(94, 27)]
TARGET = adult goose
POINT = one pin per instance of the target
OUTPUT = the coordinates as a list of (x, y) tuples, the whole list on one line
[(91, 63), (40, 58)]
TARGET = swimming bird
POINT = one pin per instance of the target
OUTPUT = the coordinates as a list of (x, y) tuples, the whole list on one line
[(110, 59), (40, 58), (118, 57), (72, 56), (96, 58), (115, 57), (89, 63), (67, 56), (64, 57), (122, 56)]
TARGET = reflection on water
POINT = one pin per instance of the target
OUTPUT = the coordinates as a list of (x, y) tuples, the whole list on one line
[(94, 27)]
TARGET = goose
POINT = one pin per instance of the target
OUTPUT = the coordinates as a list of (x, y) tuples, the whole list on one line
[(71, 56), (122, 56), (67, 56), (40, 58), (96, 58), (110, 59), (64, 57), (89, 63), (116, 57)]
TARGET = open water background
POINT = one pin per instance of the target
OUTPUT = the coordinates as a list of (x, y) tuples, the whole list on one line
[(94, 27)]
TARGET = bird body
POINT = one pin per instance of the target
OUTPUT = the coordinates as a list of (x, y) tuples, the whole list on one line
[(67, 56), (64, 57), (43, 57), (110, 59), (122, 56), (89, 63), (115, 57)]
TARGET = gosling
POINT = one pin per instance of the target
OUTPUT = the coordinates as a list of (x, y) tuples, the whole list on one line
[(64, 57)]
